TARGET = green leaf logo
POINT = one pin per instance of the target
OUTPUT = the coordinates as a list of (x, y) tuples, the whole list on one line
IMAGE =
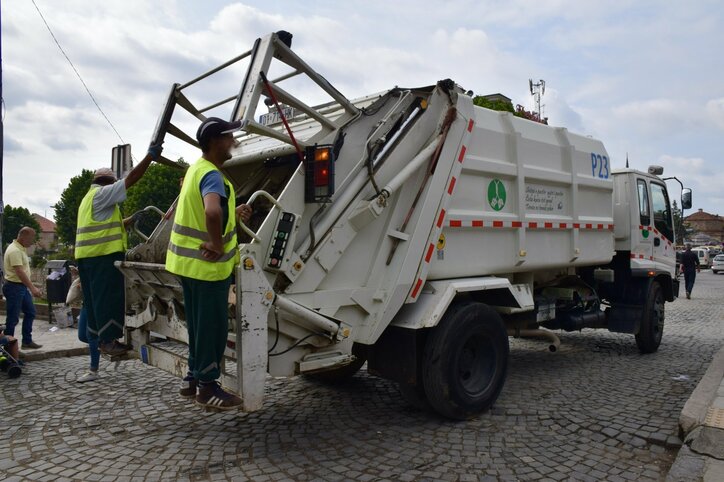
[(496, 194)]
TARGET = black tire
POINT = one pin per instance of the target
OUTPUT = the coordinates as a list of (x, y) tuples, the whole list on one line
[(342, 374), (14, 371), (649, 336), (466, 361)]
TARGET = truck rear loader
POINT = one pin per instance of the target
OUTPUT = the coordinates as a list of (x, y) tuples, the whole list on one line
[(409, 230)]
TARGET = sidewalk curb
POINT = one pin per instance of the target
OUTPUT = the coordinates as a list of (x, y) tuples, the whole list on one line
[(694, 411), (696, 461), (68, 352)]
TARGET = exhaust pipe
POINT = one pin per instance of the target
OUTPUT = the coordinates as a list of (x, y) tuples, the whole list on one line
[(555, 342)]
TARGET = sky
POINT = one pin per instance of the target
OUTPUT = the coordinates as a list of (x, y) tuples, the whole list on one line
[(644, 76)]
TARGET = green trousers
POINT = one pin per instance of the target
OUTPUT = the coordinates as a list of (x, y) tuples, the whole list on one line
[(207, 320), (103, 296)]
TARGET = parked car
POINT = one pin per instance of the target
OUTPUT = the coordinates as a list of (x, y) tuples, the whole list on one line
[(718, 263), (704, 259)]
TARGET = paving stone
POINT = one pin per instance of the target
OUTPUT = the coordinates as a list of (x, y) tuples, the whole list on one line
[(595, 410)]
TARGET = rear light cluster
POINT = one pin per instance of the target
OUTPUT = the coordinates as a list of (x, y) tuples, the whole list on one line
[(319, 181)]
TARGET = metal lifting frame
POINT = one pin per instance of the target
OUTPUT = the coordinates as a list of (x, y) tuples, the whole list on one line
[(252, 88)]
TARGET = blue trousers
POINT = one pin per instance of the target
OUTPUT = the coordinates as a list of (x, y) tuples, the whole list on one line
[(95, 355), (689, 278), (18, 298)]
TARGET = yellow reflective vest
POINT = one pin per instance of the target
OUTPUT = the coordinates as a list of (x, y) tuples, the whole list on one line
[(97, 238), (184, 256)]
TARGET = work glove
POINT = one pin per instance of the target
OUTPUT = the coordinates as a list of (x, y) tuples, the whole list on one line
[(155, 150)]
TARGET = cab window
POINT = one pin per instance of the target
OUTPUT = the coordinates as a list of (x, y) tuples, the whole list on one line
[(643, 203), (662, 212)]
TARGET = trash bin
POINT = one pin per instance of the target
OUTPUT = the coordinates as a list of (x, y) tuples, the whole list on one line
[(57, 284)]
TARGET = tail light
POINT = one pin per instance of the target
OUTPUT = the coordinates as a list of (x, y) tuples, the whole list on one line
[(319, 182)]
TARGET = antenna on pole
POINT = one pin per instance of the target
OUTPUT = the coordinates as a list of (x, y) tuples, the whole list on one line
[(627, 160), (537, 90)]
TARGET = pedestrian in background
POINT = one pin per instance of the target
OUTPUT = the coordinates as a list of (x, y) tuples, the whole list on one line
[(18, 289), (689, 266), (100, 242), (202, 252)]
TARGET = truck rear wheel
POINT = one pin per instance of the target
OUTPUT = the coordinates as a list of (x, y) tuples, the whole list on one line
[(466, 360), (649, 336)]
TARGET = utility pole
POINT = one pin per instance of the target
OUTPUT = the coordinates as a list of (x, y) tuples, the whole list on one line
[(537, 90)]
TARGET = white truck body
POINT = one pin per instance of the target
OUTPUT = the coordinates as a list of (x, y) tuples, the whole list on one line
[(442, 212)]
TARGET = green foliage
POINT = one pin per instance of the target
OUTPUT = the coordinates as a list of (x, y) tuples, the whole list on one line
[(500, 105), (66, 210), (159, 187), (13, 220)]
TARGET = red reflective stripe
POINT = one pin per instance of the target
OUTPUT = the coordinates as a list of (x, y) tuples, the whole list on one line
[(517, 224), (600, 226), (610, 227), (589, 226), (633, 255), (576, 226), (454, 223), (429, 252), (562, 225), (548, 225), (497, 224), (462, 154), (532, 225), (477, 224), (452, 185), (470, 125), (417, 287), (441, 218)]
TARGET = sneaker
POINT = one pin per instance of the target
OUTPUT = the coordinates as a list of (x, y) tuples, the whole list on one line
[(688, 295), (113, 348), (88, 376), (188, 387), (213, 397), (32, 346)]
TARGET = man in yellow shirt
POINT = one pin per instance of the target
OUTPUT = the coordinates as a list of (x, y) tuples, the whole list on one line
[(18, 289)]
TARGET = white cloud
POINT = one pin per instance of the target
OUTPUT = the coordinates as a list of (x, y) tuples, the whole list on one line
[(640, 75), (715, 110)]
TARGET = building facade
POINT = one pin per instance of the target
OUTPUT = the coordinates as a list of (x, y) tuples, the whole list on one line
[(710, 225)]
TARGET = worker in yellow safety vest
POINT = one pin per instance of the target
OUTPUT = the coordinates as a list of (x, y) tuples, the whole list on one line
[(101, 241), (202, 252)]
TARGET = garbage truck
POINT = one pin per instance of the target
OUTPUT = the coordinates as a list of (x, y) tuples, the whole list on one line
[(408, 230)]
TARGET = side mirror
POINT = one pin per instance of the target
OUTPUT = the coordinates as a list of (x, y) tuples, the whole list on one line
[(686, 198)]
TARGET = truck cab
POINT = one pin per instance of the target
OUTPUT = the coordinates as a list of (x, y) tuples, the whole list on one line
[(643, 220)]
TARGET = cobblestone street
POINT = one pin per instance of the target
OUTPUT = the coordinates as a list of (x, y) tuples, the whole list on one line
[(596, 410)]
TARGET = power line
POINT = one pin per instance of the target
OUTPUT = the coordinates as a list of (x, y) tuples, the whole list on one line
[(77, 73)]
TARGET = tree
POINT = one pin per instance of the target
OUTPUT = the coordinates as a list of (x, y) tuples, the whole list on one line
[(66, 210), (681, 228), (13, 220), (501, 105), (159, 187)]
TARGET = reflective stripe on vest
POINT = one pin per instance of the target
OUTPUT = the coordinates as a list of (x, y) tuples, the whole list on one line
[(184, 256), (98, 238)]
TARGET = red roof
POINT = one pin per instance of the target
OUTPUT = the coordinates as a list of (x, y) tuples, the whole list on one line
[(701, 215), (46, 225)]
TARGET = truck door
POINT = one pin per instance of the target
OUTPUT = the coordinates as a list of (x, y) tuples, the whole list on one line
[(663, 239), (642, 244)]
